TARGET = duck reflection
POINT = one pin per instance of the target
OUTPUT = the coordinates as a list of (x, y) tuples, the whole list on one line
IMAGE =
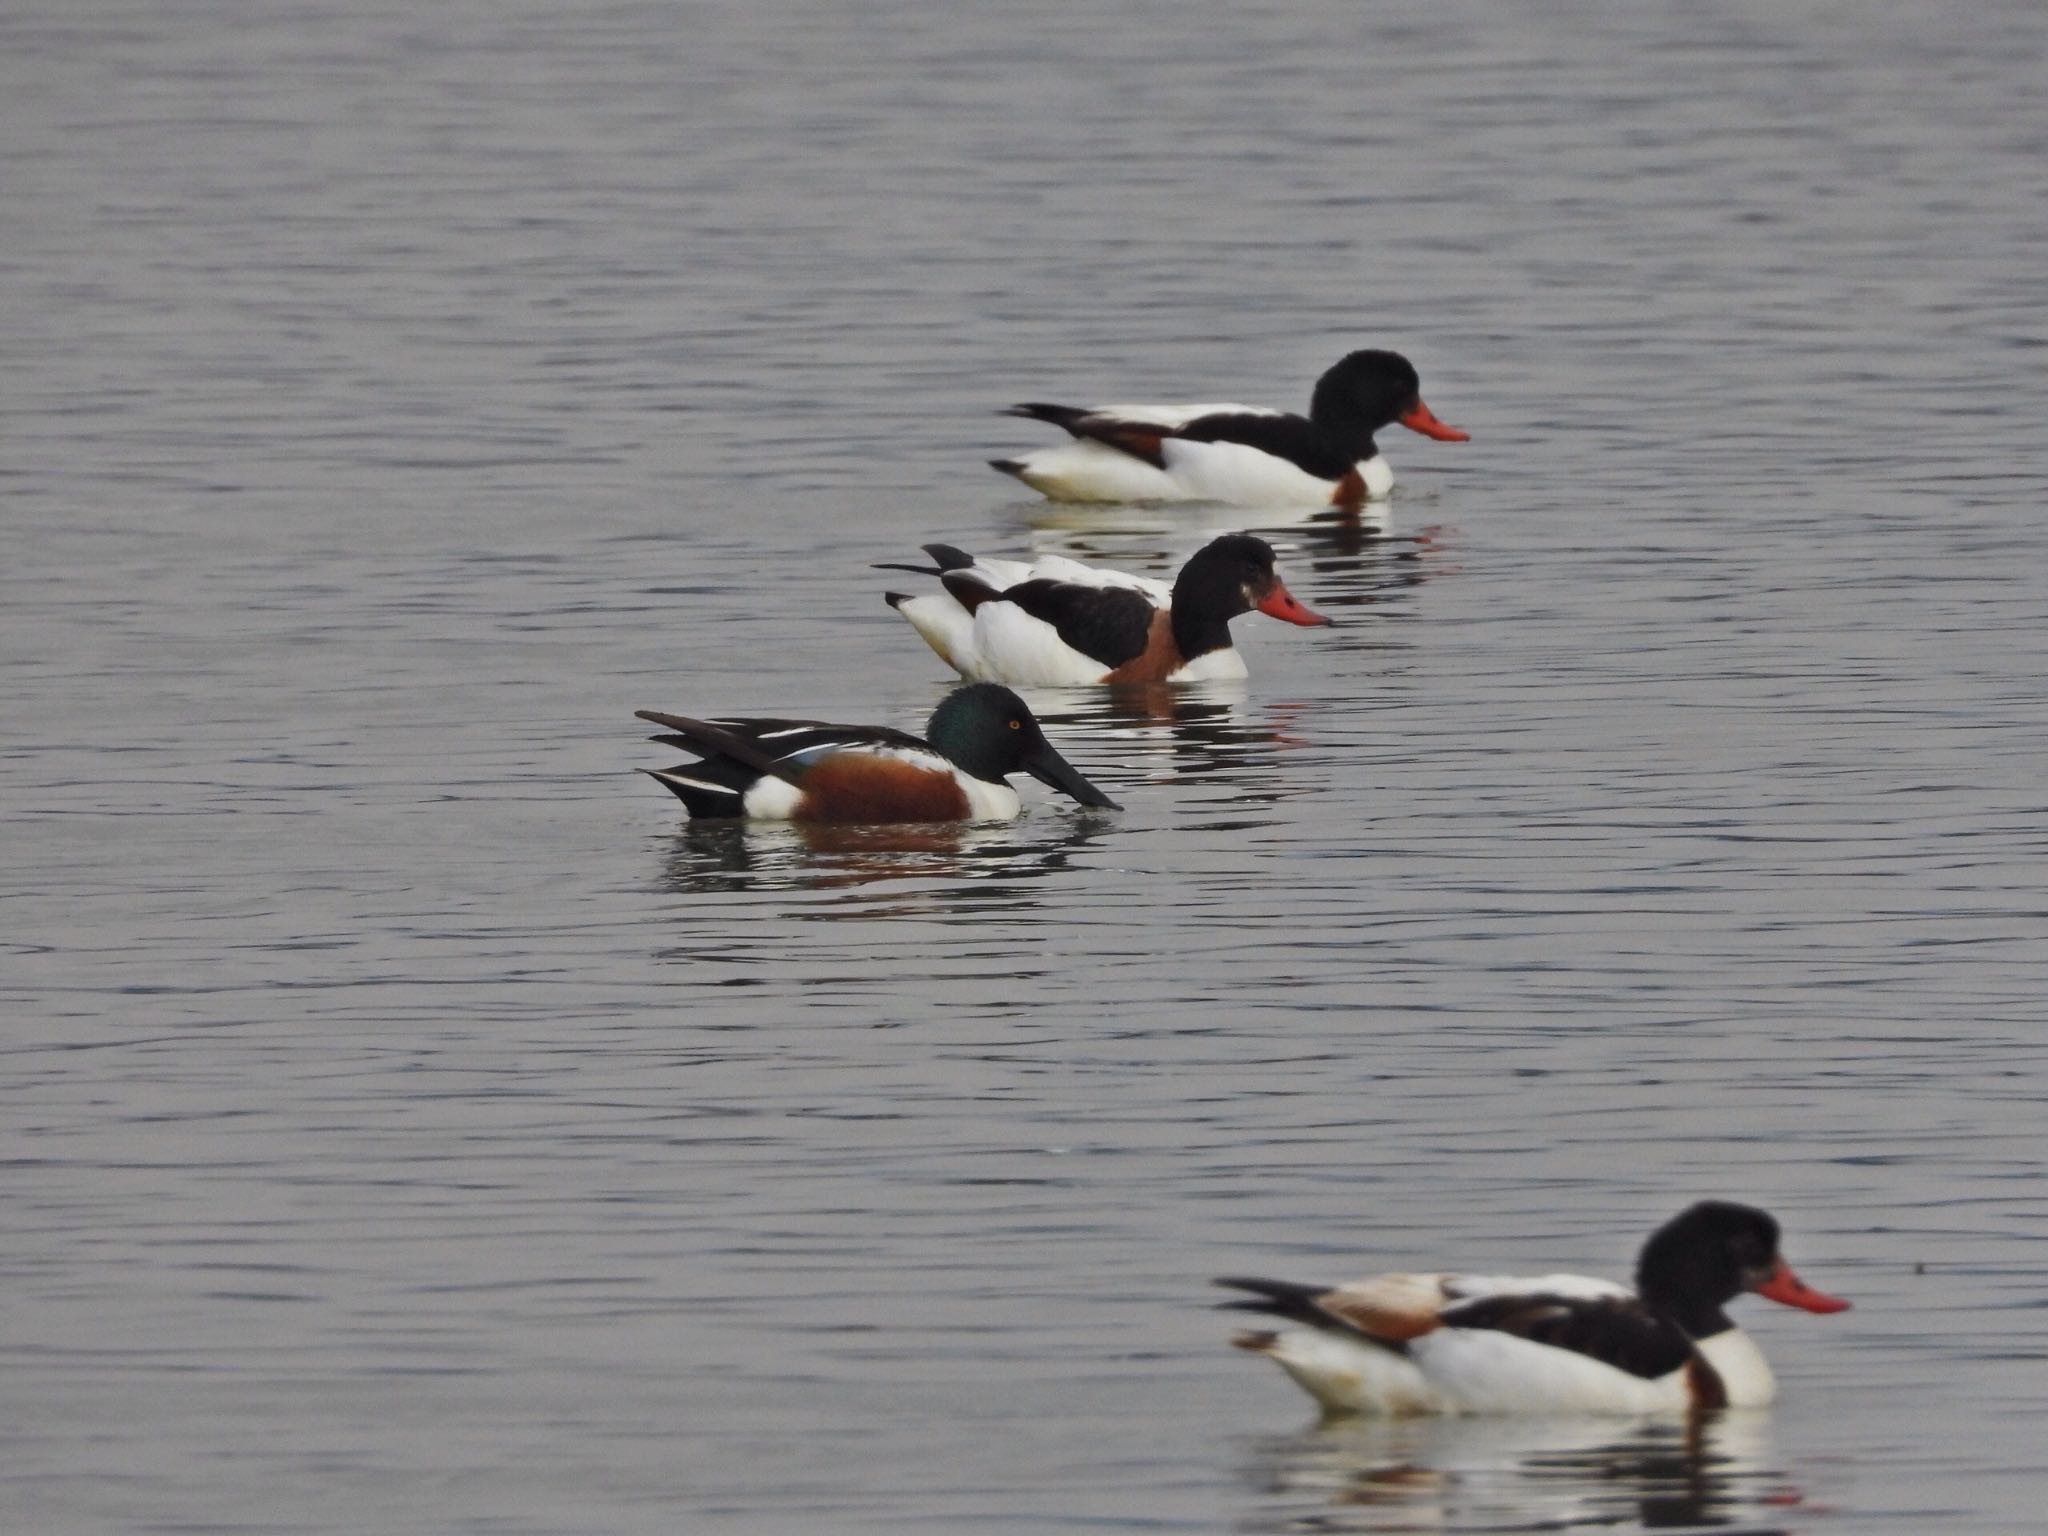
[(1353, 559), (1359, 564), (1161, 731), (985, 863), (1713, 1472)]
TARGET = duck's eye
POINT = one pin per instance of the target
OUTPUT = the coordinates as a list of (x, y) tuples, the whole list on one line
[(1016, 725)]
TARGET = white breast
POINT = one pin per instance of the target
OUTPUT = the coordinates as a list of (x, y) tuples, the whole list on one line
[(1742, 1368), (1224, 666), (986, 801)]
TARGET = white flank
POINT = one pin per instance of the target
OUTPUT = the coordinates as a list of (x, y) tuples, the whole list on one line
[(1241, 475), (771, 799), (1233, 473), (946, 627), (1089, 471), (1479, 1370), (1010, 646), (1347, 1375)]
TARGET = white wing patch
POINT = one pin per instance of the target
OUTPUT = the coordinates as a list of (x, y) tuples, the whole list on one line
[(1574, 1287), (1174, 417)]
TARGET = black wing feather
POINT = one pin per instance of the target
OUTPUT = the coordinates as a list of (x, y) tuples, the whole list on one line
[(1056, 415), (1110, 624), (1617, 1331), (1293, 438)]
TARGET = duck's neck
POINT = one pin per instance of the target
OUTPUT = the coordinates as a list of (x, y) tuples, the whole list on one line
[(1701, 1319), (1202, 613), (1343, 425)]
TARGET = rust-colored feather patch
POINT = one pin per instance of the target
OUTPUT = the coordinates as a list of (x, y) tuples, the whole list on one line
[(1393, 1308), (1140, 440), (1349, 495), (868, 787), (1704, 1384), (1160, 659)]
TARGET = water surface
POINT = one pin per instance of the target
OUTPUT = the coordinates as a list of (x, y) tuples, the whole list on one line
[(413, 1126)]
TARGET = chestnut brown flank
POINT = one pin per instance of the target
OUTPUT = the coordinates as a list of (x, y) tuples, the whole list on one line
[(1704, 1383), (1349, 495), (862, 786), (1160, 659)]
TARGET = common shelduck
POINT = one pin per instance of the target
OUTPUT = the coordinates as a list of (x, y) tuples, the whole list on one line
[(804, 770), (1247, 455), (1443, 1343), (1057, 622)]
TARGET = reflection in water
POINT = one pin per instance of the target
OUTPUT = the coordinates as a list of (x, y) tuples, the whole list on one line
[(995, 862), (1352, 559), (1512, 1475), (1357, 564), (1179, 730)]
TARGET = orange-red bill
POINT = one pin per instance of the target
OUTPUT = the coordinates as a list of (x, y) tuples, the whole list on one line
[(1786, 1287), (1283, 604), (1420, 418)]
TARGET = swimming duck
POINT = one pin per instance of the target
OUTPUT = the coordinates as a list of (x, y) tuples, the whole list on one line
[(1246, 455), (1058, 622), (805, 770), (1564, 1344)]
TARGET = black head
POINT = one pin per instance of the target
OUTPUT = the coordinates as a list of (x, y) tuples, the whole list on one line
[(991, 733), (1711, 1253), (1371, 389), (1227, 577)]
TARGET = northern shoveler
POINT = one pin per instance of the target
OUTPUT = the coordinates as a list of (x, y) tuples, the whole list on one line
[(1057, 622), (805, 770), (1442, 1343), (1247, 455)]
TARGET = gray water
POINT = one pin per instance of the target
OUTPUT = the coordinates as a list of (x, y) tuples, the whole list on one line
[(410, 1125)]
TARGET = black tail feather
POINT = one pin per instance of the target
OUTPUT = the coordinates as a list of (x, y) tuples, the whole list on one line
[(703, 799), (895, 599), (1012, 467), (1040, 410), (950, 557), (1287, 1299), (710, 739)]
